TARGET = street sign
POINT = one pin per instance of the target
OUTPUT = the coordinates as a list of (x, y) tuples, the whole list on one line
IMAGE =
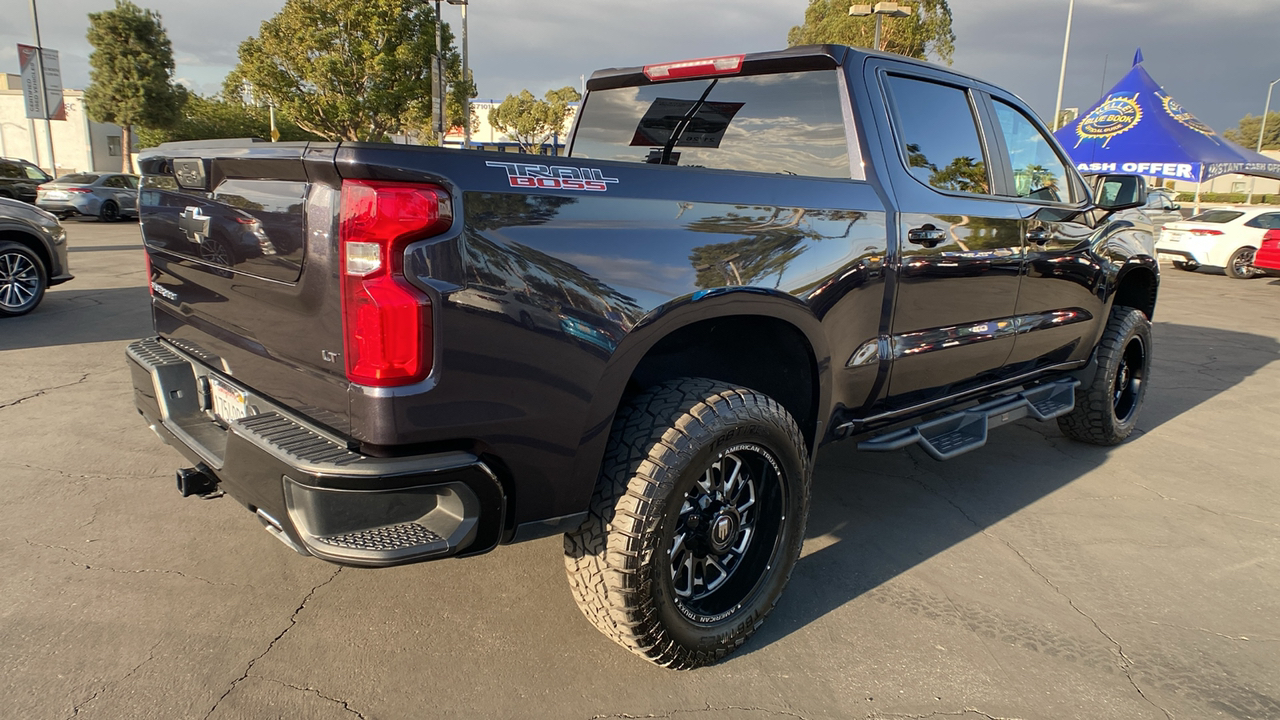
[(35, 105)]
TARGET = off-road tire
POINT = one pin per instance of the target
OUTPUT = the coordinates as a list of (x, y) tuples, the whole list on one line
[(1186, 265), (23, 279), (1240, 264), (1106, 410), (620, 563)]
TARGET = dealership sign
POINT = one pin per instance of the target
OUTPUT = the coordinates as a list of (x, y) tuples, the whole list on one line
[(35, 105)]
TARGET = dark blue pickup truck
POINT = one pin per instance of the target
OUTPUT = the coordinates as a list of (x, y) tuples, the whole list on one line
[(393, 354)]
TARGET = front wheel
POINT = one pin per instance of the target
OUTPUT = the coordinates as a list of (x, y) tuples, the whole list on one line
[(1106, 410), (1240, 264), (695, 524), (22, 279)]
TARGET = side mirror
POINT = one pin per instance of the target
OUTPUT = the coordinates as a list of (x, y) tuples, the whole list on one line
[(1176, 206), (1119, 192)]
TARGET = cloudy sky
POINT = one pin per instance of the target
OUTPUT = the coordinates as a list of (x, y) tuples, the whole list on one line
[(1216, 59)]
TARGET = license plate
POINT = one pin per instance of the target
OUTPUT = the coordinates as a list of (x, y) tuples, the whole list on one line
[(1172, 236), (56, 195), (228, 401)]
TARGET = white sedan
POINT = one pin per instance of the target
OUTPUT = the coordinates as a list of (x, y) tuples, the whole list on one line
[(1222, 237)]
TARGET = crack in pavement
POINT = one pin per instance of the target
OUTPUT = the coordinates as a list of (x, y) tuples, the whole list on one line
[(345, 705), (1201, 507), (108, 568), (708, 708), (1126, 663), (293, 620), (44, 391), (151, 654)]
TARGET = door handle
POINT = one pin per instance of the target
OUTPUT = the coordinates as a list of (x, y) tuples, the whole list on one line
[(1039, 236), (928, 236)]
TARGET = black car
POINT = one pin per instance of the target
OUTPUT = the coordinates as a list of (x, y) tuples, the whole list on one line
[(33, 256), (19, 179)]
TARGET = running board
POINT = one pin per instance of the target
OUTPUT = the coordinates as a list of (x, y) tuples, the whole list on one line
[(959, 432)]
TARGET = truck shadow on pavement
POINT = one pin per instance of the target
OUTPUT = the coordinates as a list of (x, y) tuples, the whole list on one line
[(875, 516), (70, 317)]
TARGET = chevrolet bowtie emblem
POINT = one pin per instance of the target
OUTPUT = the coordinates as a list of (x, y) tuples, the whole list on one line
[(194, 224)]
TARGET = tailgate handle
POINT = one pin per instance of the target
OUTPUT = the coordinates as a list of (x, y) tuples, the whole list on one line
[(1039, 237)]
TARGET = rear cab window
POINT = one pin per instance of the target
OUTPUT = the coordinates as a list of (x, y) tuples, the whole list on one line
[(790, 123), (937, 134), (1215, 216)]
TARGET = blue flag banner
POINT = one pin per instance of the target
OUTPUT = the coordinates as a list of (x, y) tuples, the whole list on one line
[(1138, 128)]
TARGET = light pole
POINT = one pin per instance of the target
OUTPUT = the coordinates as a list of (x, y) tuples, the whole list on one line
[(466, 79), (880, 9), (1261, 131), (44, 98), (1062, 75)]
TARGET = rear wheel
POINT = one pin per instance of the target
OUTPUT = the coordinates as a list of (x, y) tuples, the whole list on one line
[(109, 212), (1186, 265), (696, 522), (22, 279), (1106, 410), (1240, 264)]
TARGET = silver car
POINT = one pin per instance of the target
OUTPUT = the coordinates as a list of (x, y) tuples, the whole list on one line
[(1161, 209), (106, 196)]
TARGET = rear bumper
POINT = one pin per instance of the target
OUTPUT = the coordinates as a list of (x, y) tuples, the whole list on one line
[(306, 485)]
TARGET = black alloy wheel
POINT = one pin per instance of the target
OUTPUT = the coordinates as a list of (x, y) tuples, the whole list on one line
[(109, 212), (1127, 388), (695, 524), (1106, 409), (22, 280), (726, 533)]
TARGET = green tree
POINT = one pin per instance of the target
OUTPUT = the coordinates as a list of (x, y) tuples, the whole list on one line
[(1246, 133), (204, 118), (530, 121), (130, 72), (927, 31), (347, 69)]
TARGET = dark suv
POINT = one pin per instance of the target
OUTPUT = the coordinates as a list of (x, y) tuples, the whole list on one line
[(19, 179)]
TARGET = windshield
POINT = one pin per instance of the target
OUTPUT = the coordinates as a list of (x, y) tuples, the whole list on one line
[(1215, 216), (781, 123)]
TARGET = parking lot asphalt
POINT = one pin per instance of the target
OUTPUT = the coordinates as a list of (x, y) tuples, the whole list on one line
[(1032, 578)]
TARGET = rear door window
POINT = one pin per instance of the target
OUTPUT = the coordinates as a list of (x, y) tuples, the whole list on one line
[(937, 135), (1266, 221), (790, 123)]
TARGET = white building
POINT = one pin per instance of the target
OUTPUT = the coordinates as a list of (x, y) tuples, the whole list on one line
[(1236, 183), (79, 144), (485, 137)]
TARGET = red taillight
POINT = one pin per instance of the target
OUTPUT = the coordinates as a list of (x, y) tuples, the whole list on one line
[(79, 190), (1271, 239), (1205, 231), (726, 65), (386, 321)]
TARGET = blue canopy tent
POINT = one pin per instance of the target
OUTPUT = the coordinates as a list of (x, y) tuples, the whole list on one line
[(1138, 128)]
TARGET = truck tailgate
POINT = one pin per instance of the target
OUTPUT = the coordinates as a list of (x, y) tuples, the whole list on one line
[(241, 246)]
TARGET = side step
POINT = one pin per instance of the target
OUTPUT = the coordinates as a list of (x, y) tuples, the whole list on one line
[(959, 432)]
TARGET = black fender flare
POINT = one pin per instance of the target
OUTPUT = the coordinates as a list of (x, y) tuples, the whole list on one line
[(683, 312)]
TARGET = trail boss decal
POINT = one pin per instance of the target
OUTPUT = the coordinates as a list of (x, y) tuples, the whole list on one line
[(554, 177)]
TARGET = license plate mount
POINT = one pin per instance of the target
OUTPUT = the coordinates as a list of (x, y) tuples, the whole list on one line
[(230, 403)]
